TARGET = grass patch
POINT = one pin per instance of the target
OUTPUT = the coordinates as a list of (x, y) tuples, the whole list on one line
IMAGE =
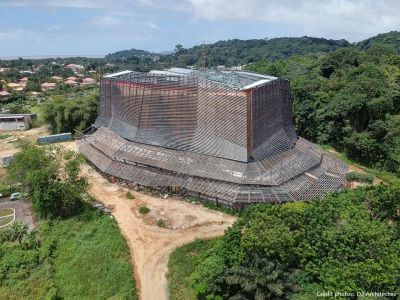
[(144, 210), (6, 212), (386, 176), (4, 136), (360, 177), (129, 195), (6, 221), (84, 257), (181, 265)]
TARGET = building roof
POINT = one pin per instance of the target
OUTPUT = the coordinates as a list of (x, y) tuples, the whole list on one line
[(4, 116), (112, 75), (70, 81), (48, 84), (235, 79), (13, 85), (4, 93)]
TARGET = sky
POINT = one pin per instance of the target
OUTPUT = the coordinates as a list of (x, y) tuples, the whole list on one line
[(90, 27)]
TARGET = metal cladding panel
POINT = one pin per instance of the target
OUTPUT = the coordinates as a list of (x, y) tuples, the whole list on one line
[(272, 120), (222, 125), (177, 112)]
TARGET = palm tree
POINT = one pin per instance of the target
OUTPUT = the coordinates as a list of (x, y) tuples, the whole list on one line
[(260, 278), (17, 231)]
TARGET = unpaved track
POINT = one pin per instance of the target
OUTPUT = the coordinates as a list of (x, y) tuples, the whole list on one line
[(149, 244)]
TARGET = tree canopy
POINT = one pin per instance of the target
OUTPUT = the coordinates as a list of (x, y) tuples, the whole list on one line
[(349, 98), (345, 242)]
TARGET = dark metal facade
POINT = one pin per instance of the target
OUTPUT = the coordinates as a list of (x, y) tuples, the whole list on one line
[(225, 137)]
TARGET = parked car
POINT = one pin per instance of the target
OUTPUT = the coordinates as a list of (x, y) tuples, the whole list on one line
[(15, 196)]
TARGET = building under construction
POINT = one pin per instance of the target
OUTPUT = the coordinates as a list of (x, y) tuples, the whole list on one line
[(223, 136)]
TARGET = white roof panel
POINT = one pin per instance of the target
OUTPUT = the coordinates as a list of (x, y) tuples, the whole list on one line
[(118, 74)]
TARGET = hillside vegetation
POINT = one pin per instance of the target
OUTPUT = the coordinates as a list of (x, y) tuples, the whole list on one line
[(233, 52), (77, 252), (349, 98), (391, 39), (346, 242)]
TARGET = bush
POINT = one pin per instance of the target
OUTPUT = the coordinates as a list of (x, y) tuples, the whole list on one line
[(129, 195), (161, 223), (360, 177), (144, 210)]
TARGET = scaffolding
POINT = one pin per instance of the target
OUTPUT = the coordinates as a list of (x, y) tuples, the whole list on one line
[(224, 136)]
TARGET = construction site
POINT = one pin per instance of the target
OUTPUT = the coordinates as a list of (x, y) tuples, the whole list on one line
[(220, 136)]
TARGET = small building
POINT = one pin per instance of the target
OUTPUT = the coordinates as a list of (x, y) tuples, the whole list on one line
[(24, 80), (88, 81), (74, 67), (46, 86), (71, 82), (4, 94), (14, 86), (72, 78), (56, 78), (10, 122)]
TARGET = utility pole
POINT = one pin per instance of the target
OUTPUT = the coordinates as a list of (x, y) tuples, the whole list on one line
[(203, 56)]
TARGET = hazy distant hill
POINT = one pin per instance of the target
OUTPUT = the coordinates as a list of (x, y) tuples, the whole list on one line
[(391, 38), (129, 54), (236, 52)]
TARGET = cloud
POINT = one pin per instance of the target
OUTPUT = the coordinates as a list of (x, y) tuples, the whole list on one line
[(15, 35), (105, 21), (54, 28), (352, 19), (152, 25)]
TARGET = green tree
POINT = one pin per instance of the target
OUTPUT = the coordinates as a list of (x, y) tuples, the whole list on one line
[(55, 190)]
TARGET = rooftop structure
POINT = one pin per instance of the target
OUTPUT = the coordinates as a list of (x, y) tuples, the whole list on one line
[(88, 81), (45, 86), (4, 93), (224, 136), (71, 82), (56, 78), (74, 67), (10, 122)]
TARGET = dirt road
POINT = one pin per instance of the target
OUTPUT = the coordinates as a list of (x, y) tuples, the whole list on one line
[(151, 245)]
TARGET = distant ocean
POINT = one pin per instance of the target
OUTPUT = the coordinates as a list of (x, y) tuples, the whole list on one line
[(49, 56)]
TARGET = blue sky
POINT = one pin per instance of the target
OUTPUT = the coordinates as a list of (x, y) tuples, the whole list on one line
[(88, 27)]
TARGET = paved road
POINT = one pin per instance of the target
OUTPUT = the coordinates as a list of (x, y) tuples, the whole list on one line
[(23, 212)]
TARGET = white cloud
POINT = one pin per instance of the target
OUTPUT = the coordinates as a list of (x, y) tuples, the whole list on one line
[(152, 25), (352, 19), (54, 28), (106, 21)]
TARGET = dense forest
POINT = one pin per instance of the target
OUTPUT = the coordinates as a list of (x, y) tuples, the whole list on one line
[(240, 52), (235, 52), (346, 242), (349, 98)]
